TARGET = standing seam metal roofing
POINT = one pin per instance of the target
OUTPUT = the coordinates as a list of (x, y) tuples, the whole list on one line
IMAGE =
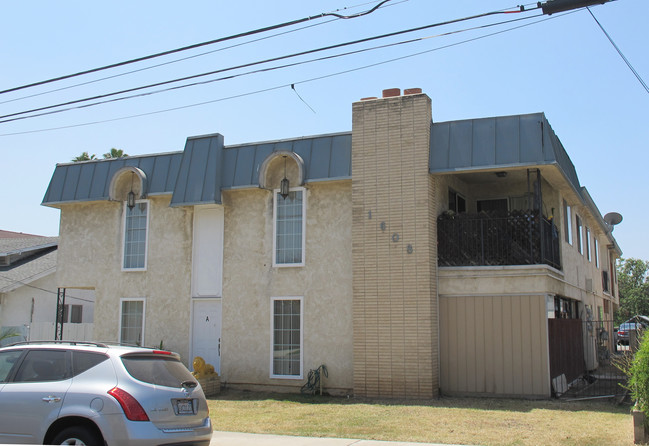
[(498, 142), (206, 167), (199, 173)]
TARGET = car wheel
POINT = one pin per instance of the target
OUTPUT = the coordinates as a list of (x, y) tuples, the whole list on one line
[(78, 435)]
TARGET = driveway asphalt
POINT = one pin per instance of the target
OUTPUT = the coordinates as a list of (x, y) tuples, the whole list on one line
[(220, 438)]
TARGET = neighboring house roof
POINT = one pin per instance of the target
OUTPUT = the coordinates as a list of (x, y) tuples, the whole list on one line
[(23, 260), (11, 234)]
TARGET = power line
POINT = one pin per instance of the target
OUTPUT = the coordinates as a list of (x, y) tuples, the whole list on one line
[(14, 281), (278, 87), (628, 64), (274, 59), (198, 45), (269, 69), (190, 57)]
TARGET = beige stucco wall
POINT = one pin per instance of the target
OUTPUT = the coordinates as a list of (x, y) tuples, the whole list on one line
[(90, 256), (324, 282)]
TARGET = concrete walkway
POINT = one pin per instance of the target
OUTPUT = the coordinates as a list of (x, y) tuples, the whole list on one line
[(241, 439)]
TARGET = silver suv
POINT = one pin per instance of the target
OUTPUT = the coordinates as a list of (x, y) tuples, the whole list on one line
[(94, 394)]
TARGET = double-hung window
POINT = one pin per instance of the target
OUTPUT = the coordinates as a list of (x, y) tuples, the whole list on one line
[(567, 222), (131, 321), (578, 234), (286, 337), (136, 224), (288, 228)]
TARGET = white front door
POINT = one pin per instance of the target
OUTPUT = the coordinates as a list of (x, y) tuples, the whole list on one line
[(206, 331)]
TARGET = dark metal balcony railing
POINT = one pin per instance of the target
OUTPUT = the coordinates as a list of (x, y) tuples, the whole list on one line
[(513, 238)]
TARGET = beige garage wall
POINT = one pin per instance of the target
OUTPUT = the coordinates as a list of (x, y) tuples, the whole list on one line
[(494, 345)]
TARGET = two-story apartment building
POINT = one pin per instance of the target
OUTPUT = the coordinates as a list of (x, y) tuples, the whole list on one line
[(409, 256)]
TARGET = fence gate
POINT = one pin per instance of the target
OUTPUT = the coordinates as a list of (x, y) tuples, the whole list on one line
[(582, 359)]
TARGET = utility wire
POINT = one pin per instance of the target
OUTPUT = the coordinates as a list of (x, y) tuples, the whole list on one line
[(14, 281), (278, 87), (628, 64), (198, 45), (269, 69), (188, 57), (275, 59), (165, 63)]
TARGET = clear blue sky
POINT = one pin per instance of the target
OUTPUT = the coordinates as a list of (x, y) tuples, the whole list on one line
[(564, 66)]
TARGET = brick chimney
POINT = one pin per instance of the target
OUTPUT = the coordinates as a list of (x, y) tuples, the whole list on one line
[(394, 247)]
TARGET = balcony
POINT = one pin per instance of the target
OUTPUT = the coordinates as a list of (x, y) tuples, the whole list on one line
[(485, 239)]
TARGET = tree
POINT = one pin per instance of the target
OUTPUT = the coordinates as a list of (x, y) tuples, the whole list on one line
[(83, 157), (115, 153), (8, 333), (633, 284)]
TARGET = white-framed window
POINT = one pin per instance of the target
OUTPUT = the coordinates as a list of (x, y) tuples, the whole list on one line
[(578, 234), (588, 243), (289, 224), (131, 321), (286, 337), (567, 222), (136, 232), (596, 252)]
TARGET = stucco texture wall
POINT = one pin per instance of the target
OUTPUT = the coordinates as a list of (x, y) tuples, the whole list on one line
[(90, 256), (324, 282)]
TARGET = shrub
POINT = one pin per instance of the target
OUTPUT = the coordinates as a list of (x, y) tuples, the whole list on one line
[(639, 377)]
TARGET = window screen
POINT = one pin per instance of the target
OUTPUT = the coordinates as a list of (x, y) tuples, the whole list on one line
[(287, 337), (135, 227), (289, 214), (131, 322)]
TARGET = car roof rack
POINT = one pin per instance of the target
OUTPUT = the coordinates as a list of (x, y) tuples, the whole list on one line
[(96, 344)]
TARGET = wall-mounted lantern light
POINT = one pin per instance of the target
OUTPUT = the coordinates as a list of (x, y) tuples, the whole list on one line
[(284, 185), (130, 198)]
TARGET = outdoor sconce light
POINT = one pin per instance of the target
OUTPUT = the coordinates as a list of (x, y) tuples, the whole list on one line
[(284, 185), (130, 198)]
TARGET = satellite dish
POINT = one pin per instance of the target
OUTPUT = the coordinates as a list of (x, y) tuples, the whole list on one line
[(612, 219)]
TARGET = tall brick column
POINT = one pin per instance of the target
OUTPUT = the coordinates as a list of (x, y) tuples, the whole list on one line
[(394, 248)]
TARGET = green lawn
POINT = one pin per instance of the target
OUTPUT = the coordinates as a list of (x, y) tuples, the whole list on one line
[(469, 421)]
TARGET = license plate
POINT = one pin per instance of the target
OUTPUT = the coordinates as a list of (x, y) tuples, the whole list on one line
[(184, 407)]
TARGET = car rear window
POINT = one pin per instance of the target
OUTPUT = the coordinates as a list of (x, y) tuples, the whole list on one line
[(158, 370)]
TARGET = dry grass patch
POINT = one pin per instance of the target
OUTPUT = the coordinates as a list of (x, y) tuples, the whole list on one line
[(470, 421)]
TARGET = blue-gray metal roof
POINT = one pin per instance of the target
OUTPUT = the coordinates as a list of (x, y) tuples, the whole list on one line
[(325, 157), (90, 180), (497, 142), (204, 168), (199, 173)]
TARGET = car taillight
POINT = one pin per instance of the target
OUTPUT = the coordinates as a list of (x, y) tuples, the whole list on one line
[(132, 409)]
